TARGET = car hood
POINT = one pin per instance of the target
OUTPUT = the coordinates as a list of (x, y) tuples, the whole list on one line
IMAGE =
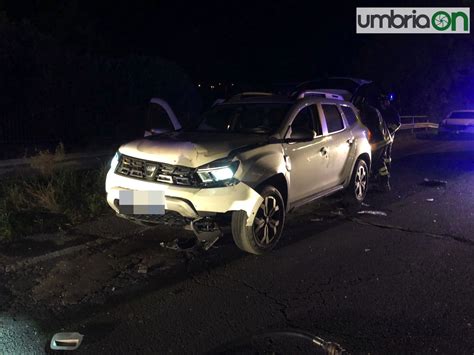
[(191, 149)]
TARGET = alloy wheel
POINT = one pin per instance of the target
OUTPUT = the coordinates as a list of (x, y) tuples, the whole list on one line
[(268, 221), (361, 182)]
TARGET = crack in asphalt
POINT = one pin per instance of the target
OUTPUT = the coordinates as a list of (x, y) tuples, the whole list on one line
[(414, 231), (282, 306)]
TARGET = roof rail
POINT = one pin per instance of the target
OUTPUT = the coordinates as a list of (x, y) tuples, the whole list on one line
[(249, 94), (327, 95)]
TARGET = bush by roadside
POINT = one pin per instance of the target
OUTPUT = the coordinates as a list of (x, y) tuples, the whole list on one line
[(54, 198)]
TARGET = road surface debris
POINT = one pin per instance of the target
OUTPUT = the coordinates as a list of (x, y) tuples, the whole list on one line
[(373, 213), (142, 269), (434, 182)]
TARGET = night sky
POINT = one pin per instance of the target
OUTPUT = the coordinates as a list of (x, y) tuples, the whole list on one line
[(214, 40), (92, 56)]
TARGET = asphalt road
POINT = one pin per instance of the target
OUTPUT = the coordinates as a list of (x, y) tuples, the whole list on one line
[(380, 284)]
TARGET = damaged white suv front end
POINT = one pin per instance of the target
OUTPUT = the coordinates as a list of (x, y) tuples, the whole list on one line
[(249, 161), (192, 192)]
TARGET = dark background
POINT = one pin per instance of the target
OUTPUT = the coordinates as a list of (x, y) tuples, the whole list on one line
[(82, 70)]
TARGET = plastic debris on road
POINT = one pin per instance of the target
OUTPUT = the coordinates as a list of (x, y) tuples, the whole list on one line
[(367, 250), (434, 182), (142, 269), (338, 212), (373, 213), (429, 199), (66, 341)]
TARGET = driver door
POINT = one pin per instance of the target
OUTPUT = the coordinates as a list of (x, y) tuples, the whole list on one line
[(160, 118), (308, 159)]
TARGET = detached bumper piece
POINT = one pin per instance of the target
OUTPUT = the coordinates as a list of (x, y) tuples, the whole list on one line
[(207, 231)]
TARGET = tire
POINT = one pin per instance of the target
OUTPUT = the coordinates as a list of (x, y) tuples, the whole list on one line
[(264, 234), (357, 190)]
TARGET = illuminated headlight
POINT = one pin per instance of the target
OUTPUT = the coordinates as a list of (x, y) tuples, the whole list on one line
[(115, 160), (218, 172)]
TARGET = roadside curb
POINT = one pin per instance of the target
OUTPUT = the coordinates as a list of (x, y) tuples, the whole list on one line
[(11, 163), (55, 254)]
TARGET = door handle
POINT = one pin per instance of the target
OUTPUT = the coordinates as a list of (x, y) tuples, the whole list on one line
[(323, 151)]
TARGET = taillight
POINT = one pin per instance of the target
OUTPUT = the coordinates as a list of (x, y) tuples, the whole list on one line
[(369, 135)]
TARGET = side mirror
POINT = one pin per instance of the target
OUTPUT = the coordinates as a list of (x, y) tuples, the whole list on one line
[(301, 135)]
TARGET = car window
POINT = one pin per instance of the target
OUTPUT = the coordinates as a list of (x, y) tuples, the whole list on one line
[(309, 118), (304, 119), (244, 118), (316, 120), (333, 118), (350, 115)]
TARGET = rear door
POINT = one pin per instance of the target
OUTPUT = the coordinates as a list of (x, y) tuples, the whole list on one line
[(160, 118), (339, 142)]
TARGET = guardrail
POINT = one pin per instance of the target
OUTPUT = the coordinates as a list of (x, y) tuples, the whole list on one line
[(413, 122), (75, 160)]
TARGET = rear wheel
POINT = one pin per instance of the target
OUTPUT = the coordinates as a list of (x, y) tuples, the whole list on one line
[(357, 189), (267, 226)]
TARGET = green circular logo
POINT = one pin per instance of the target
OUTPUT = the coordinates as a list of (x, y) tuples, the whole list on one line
[(441, 20)]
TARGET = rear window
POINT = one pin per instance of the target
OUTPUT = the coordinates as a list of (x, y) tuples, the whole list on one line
[(462, 114), (333, 118), (350, 115)]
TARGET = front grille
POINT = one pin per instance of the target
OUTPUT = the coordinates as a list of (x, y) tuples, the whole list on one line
[(154, 171)]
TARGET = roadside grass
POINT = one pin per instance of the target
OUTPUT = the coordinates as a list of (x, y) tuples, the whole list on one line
[(55, 198)]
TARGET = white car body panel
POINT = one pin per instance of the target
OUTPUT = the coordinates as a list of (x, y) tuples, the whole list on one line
[(186, 149), (458, 125), (460, 122)]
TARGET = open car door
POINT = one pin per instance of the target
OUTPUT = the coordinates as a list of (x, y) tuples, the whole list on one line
[(160, 118)]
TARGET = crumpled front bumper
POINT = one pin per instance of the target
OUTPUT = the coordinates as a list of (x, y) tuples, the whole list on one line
[(189, 202)]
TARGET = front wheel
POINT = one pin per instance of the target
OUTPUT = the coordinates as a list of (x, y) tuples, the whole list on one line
[(267, 226), (357, 189)]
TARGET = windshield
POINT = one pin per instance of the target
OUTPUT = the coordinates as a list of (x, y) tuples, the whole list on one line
[(263, 118), (462, 114)]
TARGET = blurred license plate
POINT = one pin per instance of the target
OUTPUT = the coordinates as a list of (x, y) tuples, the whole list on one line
[(142, 202)]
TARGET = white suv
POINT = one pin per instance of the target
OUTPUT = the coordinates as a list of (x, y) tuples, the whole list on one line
[(457, 122), (248, 162)]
